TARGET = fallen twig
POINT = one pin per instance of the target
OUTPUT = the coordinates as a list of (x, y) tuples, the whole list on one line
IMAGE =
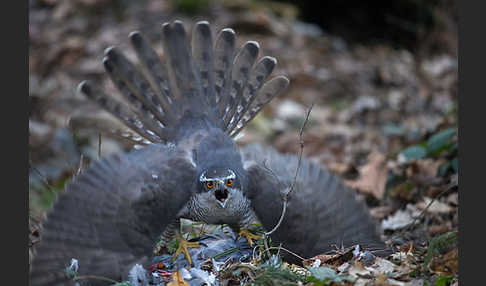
[(42, 177), (94, 277), (99, 145), (286, 194), (422, 214), (282, 248)]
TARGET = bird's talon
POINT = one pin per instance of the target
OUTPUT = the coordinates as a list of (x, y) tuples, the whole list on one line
[(248, 235), (183, 247)]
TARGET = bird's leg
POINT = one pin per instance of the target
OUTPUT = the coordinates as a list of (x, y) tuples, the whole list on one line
[(183, 246), (242, 229), (248, 235), (166, 237), (174, 229), (170, 231)]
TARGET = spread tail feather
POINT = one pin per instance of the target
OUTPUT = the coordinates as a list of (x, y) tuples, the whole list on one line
[(195, 80)]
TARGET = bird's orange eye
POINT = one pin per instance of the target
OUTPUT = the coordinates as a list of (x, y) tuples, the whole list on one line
[(229, 182), (209, 185)]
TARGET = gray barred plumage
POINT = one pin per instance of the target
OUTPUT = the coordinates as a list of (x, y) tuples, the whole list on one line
[(215, 83), (189, 106)]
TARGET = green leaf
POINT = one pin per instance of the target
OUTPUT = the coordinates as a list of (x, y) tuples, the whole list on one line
[(454, 147), (272, 273), (124, 283), (443, 280), (47, 198), (70, 273), (326, 274), (439, 244), (440, 140), (226, 252), (455, 164), (414, 152), (444, 168)]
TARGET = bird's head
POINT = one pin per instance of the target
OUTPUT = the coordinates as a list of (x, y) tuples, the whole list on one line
[(222, 184)]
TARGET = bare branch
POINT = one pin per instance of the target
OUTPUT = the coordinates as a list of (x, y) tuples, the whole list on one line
[(287, 192), (42, 177), (99, 145), (301, 141), (282, 248), (284, 209)]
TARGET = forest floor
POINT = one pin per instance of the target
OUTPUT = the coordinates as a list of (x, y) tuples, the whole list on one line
[(383, 118)]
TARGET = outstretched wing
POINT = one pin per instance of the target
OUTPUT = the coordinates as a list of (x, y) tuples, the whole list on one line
[(110, 216), (321, 211)]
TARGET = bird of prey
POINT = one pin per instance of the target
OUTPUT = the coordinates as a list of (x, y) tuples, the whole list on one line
[(187, 107)]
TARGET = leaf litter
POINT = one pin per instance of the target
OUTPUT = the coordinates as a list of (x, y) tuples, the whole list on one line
[(384, 119)]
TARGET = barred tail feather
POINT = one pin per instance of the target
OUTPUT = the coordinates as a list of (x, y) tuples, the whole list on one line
[(183, 79), (125, 73), (119, 110), (202, 52), (195, 80), (154, 68), (269, 91), (224, 50), (106, 128), (260, 73), (241, 71)]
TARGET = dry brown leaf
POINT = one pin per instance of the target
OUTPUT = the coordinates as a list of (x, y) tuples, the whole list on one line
[(447, 264), (177, 280), (434, 191), (401, 218), (382, 266), (404, 192), (424, 171), (372, 177), (357, 270), (436, 207), (330, 260), (439, 229), (426, 167), (382, 280)]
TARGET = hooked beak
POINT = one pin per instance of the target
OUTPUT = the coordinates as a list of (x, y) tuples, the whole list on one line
[(222, 194), (222, 204)]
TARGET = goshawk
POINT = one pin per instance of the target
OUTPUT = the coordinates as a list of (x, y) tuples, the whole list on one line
[(187, 107)]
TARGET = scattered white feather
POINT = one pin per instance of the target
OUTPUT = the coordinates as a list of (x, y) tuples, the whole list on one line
[(316, 263), (138, 276), (74, 265), (356, 251), (207, 278), (185, 274)]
